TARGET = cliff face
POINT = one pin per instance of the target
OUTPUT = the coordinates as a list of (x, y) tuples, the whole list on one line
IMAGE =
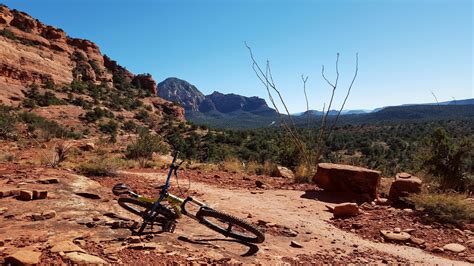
[(32, 52)]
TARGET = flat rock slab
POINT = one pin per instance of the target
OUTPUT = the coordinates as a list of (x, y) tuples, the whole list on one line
[(393, 236), (454, 247), (23, 257), (88, 195), (83, 258), (66, 246)]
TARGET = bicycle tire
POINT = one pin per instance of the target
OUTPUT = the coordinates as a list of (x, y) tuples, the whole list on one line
[(258, 236), (131, 204)]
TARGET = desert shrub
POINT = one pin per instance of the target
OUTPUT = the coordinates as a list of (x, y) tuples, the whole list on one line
[(34, 98), (96, 114), (7, 157), (129, 126), (232, 165), (100, 166), (48, 129), (451, 164), (444, 208), (142, 115), (254, 168), (8, 34), (143, 148), (7, 122), (110, 128)]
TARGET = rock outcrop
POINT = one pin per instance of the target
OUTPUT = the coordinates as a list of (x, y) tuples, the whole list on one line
[(146, 82), (404, 185), (357, 182)]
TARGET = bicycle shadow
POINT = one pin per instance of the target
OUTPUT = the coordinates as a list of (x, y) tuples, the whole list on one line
[(253, 249)]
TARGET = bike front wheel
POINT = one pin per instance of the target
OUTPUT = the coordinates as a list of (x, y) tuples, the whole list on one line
[(230, 226)]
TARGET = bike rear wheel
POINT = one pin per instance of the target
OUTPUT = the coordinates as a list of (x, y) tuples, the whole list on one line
[(140, 207), (230, 226)]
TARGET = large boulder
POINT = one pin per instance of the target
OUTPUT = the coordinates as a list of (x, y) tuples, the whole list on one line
[(345, 210), (404, 185), (357, 182)]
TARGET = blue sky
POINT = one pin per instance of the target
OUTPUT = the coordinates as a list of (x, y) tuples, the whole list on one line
[(406, 48)]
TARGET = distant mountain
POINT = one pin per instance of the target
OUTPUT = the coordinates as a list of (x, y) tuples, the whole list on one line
[(366, 111), (180, 91), (198, 105)]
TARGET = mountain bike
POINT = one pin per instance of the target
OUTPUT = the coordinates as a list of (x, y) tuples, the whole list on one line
[(167, 208)]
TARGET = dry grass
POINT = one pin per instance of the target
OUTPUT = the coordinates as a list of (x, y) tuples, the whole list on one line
[(303, 174), (270, 168), (450, 208), (254, 168), (205, 167), (232, 165), (102, 166)]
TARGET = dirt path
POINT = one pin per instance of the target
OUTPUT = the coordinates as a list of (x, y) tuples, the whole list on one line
[(287, 208)]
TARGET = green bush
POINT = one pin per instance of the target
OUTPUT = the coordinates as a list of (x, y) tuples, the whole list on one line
[(451, 164), (44, 128), (444, 208), (143, 148), (7, 122), (8, 34)]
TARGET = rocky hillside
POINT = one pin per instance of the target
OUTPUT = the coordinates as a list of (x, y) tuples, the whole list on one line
[(69, 81), (195, 103), (34, 53)]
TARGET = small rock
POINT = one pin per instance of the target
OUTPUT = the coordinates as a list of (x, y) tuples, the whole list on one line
[(454, 247), (48, 181), (49, 214), (470, 259), (23, 257), (393, 236), (290, 232), (134, 239), (84, 258), (25, 195), (2, 243), (3, 210), (409, 230), (382, 202), (259, 184), (142, 246), (397, 230), (470, 243), (437, 250), (345, 210), (89, 146), (417, 241), (40, 194), (459, 231), (88, 195), (357, 225), (295, 244)]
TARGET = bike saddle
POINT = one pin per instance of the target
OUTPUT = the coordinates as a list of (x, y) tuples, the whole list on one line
[(120, 189)]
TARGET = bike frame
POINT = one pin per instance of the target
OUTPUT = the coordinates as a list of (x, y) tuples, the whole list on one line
[(178, 204)]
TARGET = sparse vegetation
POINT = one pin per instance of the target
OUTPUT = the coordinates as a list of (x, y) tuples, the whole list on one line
[(8, 34), (143, 148), (35, 98), (7, 122), (451, 164), (99, 167), (444, 208), (232, 165)]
